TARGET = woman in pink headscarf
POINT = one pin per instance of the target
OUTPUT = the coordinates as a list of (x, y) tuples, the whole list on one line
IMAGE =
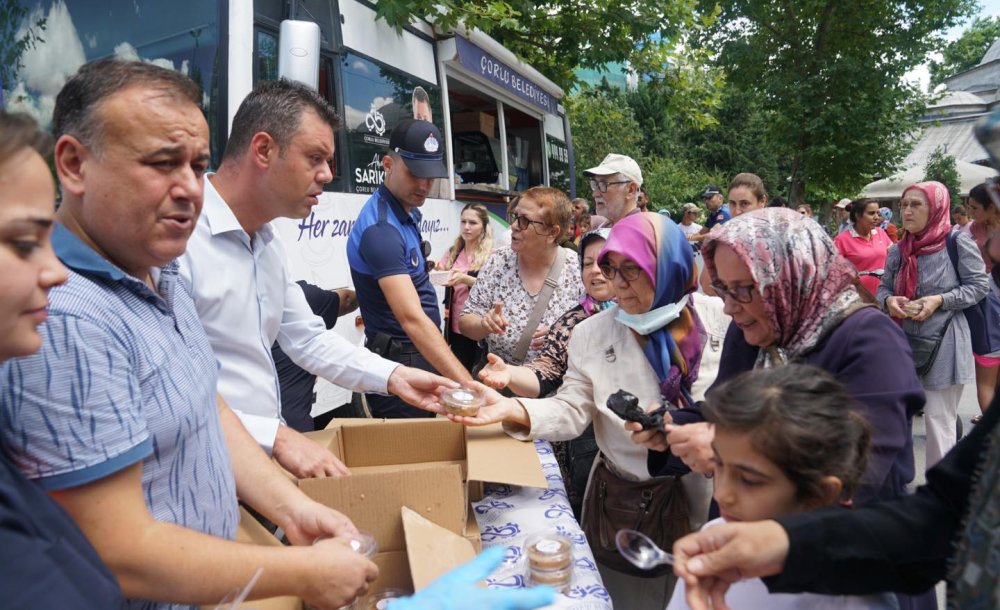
[(926, 292)]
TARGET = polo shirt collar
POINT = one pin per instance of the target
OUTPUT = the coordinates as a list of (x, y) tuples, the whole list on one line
[(220, 217), (80, 257), (397, 208)]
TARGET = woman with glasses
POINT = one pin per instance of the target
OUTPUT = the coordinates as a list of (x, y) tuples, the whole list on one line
[(650, 345), (792, 298), (509, 284), (983, 201), (926, 291), (543, 375)]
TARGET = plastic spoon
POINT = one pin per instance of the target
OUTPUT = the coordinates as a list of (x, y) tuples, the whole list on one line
[(640, 550)]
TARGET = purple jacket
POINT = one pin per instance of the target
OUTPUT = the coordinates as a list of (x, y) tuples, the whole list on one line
[(869, 354)]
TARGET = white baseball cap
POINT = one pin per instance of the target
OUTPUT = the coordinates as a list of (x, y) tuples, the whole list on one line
[(618, 164)]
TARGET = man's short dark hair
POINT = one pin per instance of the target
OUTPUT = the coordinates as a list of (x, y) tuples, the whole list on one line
[(75, 111), (275, 108)]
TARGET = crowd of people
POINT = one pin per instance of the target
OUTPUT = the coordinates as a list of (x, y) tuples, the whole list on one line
[(158, 352)]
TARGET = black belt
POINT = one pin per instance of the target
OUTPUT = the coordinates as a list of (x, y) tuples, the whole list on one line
[(390, 347)]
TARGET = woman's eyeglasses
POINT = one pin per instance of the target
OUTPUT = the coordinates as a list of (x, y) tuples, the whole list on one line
[(521, 222), (740, 294), (630, 273)]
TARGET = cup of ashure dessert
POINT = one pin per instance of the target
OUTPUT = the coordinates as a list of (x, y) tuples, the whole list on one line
[(550, 559), (363, 544), (912, 308), (380, 599), (462, 401)]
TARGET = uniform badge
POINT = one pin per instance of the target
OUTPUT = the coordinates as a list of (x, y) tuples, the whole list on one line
[(431, 144)]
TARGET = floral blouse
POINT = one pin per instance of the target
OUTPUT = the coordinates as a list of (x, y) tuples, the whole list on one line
[(500, 281)]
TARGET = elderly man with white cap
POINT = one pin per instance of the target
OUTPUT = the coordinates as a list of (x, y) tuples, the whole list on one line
[(615, 184), (843, 215)]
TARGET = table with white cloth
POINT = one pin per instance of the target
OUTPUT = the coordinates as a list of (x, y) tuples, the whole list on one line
[(508, 514)]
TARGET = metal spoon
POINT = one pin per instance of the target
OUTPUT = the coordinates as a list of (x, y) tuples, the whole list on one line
[(640, 550)]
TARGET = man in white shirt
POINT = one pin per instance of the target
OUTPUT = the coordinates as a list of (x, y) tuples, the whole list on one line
[(275, 165), (688, 226)]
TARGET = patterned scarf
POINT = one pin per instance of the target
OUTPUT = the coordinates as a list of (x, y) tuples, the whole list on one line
[(931, 239), (657, 246), (806, 286), (886, 215)]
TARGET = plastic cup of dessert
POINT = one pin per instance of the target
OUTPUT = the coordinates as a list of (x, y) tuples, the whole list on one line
[(462, 401), (550, 559), (380, 599)]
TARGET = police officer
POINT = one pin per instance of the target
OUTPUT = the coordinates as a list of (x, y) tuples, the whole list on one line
[(388, 260)]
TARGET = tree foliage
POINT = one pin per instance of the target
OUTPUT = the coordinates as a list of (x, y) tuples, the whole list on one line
[(605, 120), (17, 35), (966, 51), (559, 36), (829, 76), (941, 167)]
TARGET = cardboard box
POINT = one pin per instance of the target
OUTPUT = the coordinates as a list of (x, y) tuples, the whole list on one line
[(252, 532), (428, 552), (474, 121), (432, 466)]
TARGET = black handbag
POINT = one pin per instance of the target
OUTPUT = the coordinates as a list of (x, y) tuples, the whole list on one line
[(656, 507), (925, 350)]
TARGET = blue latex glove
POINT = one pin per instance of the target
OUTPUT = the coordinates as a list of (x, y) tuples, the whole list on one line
[(457, 590)]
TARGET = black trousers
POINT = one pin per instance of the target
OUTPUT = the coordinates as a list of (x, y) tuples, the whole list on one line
[(394, 407)]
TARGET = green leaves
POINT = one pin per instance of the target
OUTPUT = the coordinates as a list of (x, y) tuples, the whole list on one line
[(559, 36), (830, 76), (967, 51), (941, 167)]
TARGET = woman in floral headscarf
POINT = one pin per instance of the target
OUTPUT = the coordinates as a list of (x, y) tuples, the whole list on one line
[(649, 344), (792, 299), (924, 291)]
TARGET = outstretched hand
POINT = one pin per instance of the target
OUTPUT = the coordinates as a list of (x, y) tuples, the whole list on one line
[(711, 560), (495, 374)]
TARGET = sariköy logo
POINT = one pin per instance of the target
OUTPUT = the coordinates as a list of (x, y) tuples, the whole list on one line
[(374, 121)]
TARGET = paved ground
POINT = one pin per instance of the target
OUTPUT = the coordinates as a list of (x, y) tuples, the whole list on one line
[(968, 407)]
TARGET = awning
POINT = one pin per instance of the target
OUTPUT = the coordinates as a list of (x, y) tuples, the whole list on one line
[(892, 187)]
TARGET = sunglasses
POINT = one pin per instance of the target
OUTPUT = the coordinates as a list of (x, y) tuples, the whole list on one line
[(630, 273)]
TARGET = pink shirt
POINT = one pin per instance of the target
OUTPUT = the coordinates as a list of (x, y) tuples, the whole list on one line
[(865, 254), (460, 292)]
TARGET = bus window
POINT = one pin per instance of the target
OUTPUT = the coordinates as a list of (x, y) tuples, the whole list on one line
[(376, 99), (181, 35)]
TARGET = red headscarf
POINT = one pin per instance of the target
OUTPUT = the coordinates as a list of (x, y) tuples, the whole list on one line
[(930, 240)]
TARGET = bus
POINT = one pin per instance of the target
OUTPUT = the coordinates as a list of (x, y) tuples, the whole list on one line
[(502, 120)]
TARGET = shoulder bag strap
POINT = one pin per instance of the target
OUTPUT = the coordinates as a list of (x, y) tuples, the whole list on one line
[(544, 296)]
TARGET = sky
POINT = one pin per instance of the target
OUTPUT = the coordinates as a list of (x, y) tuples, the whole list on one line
[(989, 8)]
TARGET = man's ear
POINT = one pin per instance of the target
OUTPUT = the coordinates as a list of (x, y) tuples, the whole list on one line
[(70, 159), (386, 162), (263, 149)]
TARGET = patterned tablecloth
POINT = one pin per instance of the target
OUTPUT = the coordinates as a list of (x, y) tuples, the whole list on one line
[(507, 515)]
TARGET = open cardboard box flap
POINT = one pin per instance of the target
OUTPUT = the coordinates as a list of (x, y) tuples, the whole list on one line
[(431, 549), (491, 454), (495, 457), (252, 532)]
